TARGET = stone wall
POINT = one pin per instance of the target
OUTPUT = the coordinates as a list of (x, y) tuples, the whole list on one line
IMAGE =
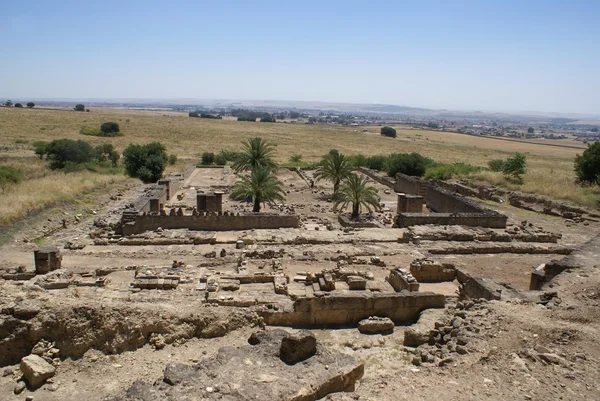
[(349, 309), (432, 271), (496, 220), (401, 280), (440, 200), (210, 222), (384, 180), (409, 185)]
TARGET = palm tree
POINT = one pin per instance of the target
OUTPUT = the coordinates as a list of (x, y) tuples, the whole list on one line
[(334, 167), (257, 152), (356, 191), (261, 185)]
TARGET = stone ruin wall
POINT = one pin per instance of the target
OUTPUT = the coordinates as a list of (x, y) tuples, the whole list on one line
[(449, 208), (349, 309), (210, 222), (387, 181)]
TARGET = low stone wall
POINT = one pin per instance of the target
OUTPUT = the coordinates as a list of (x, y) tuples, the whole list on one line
[(349, 309), (401, 280), (458, 188), (496, 220), (432, 271), (409, 185), (384, 180), (211, 222), (440, 200)]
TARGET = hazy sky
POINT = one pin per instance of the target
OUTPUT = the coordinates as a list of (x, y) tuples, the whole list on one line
[(485, 55)]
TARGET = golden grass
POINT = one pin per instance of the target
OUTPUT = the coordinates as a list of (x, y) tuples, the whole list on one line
[(550, 168)]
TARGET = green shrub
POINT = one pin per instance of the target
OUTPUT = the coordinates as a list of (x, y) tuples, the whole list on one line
[(31, 105), (376, 162), (296, 158), (448, 171), (39, 148), (515, 166), (172, 159), (587, 165), (388, 131), (79, 107), (220, 160), (357, 160), (18, 105), (407, 163), (229, 155), (146, 162), (109, 128), (9, 175), (61, 151), (98, 132), (106, 152), (20, 141), (208, 158), (496, 165)]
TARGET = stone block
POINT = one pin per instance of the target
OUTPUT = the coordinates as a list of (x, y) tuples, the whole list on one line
[(297, 347), (357, 283), (376, 325), (36, 370)]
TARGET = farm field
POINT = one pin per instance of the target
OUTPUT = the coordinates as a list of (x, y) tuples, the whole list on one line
[(550, 168)]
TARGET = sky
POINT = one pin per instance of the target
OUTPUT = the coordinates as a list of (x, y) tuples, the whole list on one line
[(521, 55)]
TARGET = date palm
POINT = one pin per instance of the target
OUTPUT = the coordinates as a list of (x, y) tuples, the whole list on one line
[(260, 185), (257, 152), (356, 191), (334, 167)]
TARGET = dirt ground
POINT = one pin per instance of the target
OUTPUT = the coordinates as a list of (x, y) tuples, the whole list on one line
[(100, 356)]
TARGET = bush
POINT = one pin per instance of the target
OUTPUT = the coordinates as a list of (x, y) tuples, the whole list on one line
[(39, 148), (146, 162), (357, 160), (268, 119), (109, 127), (31, 105), (229, 155), (9, 175), (496, 165), (410, 164), (587, 165), (79, 107), (208, 158), (334, 152), (98, 132), (376, 162), (19, 105), (172, 159), (448, 171), (515, 166), (220, 160), (388, 131), (61, 151), (296, 158), (247, 118), (107, 152)]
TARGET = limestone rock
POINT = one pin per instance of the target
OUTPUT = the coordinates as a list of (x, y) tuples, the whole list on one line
[(36, 370), (376, 325), (298, 347)]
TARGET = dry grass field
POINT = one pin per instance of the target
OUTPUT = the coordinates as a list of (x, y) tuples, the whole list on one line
[(550, 168)]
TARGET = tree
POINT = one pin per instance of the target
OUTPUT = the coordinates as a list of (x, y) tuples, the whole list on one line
[(63, 151), (407, 163), (334, 167), (587, 165), (356, 191), (388, 131), (79, 107), (515, 166), (109, 127), (19, 105), (146, 162), (496, 165), (595, 129), (256, 153), (107, 152), (8, 103), (31, 105), (530, 130), (39, 148), (260, 185), (208, 158)]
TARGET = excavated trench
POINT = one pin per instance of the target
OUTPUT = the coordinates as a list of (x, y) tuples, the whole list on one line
[(76, 329)]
